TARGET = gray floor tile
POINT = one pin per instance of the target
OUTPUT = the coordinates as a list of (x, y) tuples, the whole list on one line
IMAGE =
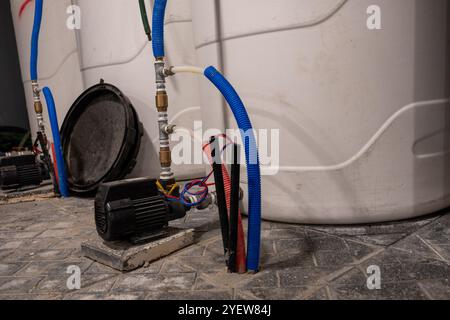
[(38, 241), (389, 291)]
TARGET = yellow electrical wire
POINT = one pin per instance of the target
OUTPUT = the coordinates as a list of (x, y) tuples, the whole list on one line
[(161, 188), (173, 189)]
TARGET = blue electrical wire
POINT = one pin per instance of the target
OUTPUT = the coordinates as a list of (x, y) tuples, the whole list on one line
[(200, 183)]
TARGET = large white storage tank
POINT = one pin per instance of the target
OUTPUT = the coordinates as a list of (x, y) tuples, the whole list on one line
[(58, 64), (73, 60), (114, 47), (363, 114)]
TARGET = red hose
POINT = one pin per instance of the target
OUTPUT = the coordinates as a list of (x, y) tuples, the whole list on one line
[(241, 260), (24, 6), (55, 165)]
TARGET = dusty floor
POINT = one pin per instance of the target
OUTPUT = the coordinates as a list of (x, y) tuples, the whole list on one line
[(39, 240)]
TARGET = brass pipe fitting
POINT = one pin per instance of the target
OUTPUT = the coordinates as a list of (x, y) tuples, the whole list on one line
[(165, 157), (162, 101), (162, 105), (38, 107)]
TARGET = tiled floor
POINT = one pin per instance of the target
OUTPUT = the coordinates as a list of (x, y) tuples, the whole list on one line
[(40, 240)]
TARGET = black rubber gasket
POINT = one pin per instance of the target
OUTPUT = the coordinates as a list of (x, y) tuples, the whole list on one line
[(101, 137)]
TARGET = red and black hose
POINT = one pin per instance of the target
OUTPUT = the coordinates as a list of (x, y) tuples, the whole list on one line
[(234, 208), (220, 190)]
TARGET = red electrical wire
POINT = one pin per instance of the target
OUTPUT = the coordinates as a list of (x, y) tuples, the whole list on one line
[(24, 6), (36, 151), (200, 183)]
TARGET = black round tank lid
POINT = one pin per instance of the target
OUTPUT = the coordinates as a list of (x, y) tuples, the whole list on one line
[(101, 137)]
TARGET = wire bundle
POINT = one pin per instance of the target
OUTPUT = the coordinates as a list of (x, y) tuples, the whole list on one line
[(202, 193), (201, 184)]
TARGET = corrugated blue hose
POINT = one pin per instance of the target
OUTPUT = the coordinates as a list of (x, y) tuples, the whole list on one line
[(159, 11), (35, 39), (62, 176), (243, 120), (253, 168)]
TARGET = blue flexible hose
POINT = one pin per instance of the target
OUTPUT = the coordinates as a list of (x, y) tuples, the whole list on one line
[(62, 176), (251, 151), (35, 39), (159, 11), (253, 168)]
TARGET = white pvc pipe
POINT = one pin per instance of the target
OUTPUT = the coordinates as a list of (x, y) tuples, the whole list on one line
[(187, 69)]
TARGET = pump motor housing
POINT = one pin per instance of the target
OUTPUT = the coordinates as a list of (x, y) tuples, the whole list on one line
[(18, 170), (134, 210)]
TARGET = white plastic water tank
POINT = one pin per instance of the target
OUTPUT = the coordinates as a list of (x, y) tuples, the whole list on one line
[(112, 45), (363, 114), (58, 64)]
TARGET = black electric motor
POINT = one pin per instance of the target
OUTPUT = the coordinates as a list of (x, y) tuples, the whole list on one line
[(134, 210), (18, 170)]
